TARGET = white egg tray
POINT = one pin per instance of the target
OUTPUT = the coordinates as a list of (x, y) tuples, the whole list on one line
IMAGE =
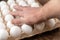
[(38, 31), (9, 31)]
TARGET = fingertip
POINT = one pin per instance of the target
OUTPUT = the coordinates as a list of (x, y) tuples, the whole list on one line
[(16, 6), (14, 13), (10, 11), (13, 21), (16, 21)]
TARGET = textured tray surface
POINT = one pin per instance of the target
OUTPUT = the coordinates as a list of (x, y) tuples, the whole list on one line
[(51, 35)]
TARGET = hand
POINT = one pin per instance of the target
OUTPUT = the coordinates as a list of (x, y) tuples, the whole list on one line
[(27, 15), (33, 15)]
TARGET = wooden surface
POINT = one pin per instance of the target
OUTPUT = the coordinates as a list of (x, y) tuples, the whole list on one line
[(52, 35)]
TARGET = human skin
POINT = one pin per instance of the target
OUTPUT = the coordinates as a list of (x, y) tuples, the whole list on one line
[(31, 16)]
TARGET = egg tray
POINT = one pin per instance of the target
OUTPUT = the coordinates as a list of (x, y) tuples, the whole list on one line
[(36, 31)]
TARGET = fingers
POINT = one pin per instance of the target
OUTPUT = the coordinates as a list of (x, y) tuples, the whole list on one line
[(17, 21), (22, 20), (17, 13), (14, 13), (20, 8)]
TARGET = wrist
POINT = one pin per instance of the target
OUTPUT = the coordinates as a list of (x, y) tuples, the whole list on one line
[(40, 16)]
